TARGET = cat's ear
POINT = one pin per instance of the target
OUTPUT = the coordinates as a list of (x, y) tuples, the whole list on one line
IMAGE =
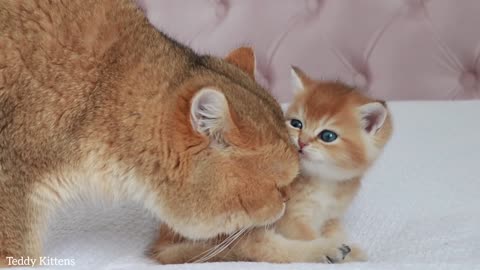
[(243, 58), (209, 112), (372, 116), (299, 79)]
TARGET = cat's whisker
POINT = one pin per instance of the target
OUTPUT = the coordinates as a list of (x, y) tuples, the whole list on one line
[(268, 226), (200, 256), (239, 235), (207, 252), (244, 235), (212, 252), (226, 245), (221, 247)]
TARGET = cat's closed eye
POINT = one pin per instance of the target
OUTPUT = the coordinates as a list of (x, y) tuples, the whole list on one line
[(327, 136), (296, 123)]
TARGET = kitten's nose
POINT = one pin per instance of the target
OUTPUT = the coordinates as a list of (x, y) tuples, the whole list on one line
[(301, 144)]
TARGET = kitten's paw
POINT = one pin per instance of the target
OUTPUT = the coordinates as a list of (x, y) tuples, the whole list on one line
[(356, 255), (338, 255), (347, 253)]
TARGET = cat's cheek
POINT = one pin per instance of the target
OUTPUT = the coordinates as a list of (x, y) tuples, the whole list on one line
[(293, 137), (294, 141)]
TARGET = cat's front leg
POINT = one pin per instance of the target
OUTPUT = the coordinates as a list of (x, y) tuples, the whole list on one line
[(180, 252), (171, 248), (23, 209), (3, 262)]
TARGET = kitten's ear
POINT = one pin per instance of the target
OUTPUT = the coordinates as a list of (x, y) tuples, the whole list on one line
[(243, 58), (299, 79), (209, 112), (372, 116)]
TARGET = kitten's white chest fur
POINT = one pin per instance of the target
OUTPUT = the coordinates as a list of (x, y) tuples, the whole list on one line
[(315, 201), (325, 205)]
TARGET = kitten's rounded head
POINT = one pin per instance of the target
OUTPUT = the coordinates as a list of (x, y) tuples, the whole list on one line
[(237, 159), (338, 131)]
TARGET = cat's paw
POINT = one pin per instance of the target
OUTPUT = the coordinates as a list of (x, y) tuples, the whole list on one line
[(166, 258), (165, 254), (346, 253)]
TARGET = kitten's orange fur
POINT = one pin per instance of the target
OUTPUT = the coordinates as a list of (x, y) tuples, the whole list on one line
[(95, 100), (331, 172)]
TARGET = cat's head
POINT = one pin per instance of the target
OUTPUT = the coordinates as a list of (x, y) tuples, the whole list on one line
[(237, 156), (338, 131)]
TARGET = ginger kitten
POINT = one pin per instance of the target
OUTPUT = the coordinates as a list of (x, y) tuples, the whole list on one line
[(95, 100), (338, 133)]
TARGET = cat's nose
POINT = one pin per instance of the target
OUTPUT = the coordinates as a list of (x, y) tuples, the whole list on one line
[(285, 193)]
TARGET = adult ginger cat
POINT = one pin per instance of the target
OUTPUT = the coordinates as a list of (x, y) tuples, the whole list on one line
[(339, 133), (93, 99)]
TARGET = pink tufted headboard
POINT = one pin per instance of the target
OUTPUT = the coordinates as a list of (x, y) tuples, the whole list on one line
[(395, 49)]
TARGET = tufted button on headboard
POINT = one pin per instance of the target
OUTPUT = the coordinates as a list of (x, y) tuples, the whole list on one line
[(394, 50)]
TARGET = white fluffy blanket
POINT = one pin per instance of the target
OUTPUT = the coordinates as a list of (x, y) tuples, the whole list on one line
[(419, 207)]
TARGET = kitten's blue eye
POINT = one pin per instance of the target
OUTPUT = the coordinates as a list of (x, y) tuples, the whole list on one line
[(296, 123), (327, 136)]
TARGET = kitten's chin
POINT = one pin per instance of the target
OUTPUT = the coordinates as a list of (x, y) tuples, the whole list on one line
[(324, 171)]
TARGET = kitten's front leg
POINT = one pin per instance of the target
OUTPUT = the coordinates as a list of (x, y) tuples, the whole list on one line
[(269, 246), (297, 228), (333, 230), (301, 229), (259, 245)]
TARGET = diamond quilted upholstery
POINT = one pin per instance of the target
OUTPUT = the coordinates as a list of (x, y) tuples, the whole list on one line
[(394, 50)]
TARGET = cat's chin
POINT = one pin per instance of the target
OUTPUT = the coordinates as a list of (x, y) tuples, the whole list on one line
[(324, 171)]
